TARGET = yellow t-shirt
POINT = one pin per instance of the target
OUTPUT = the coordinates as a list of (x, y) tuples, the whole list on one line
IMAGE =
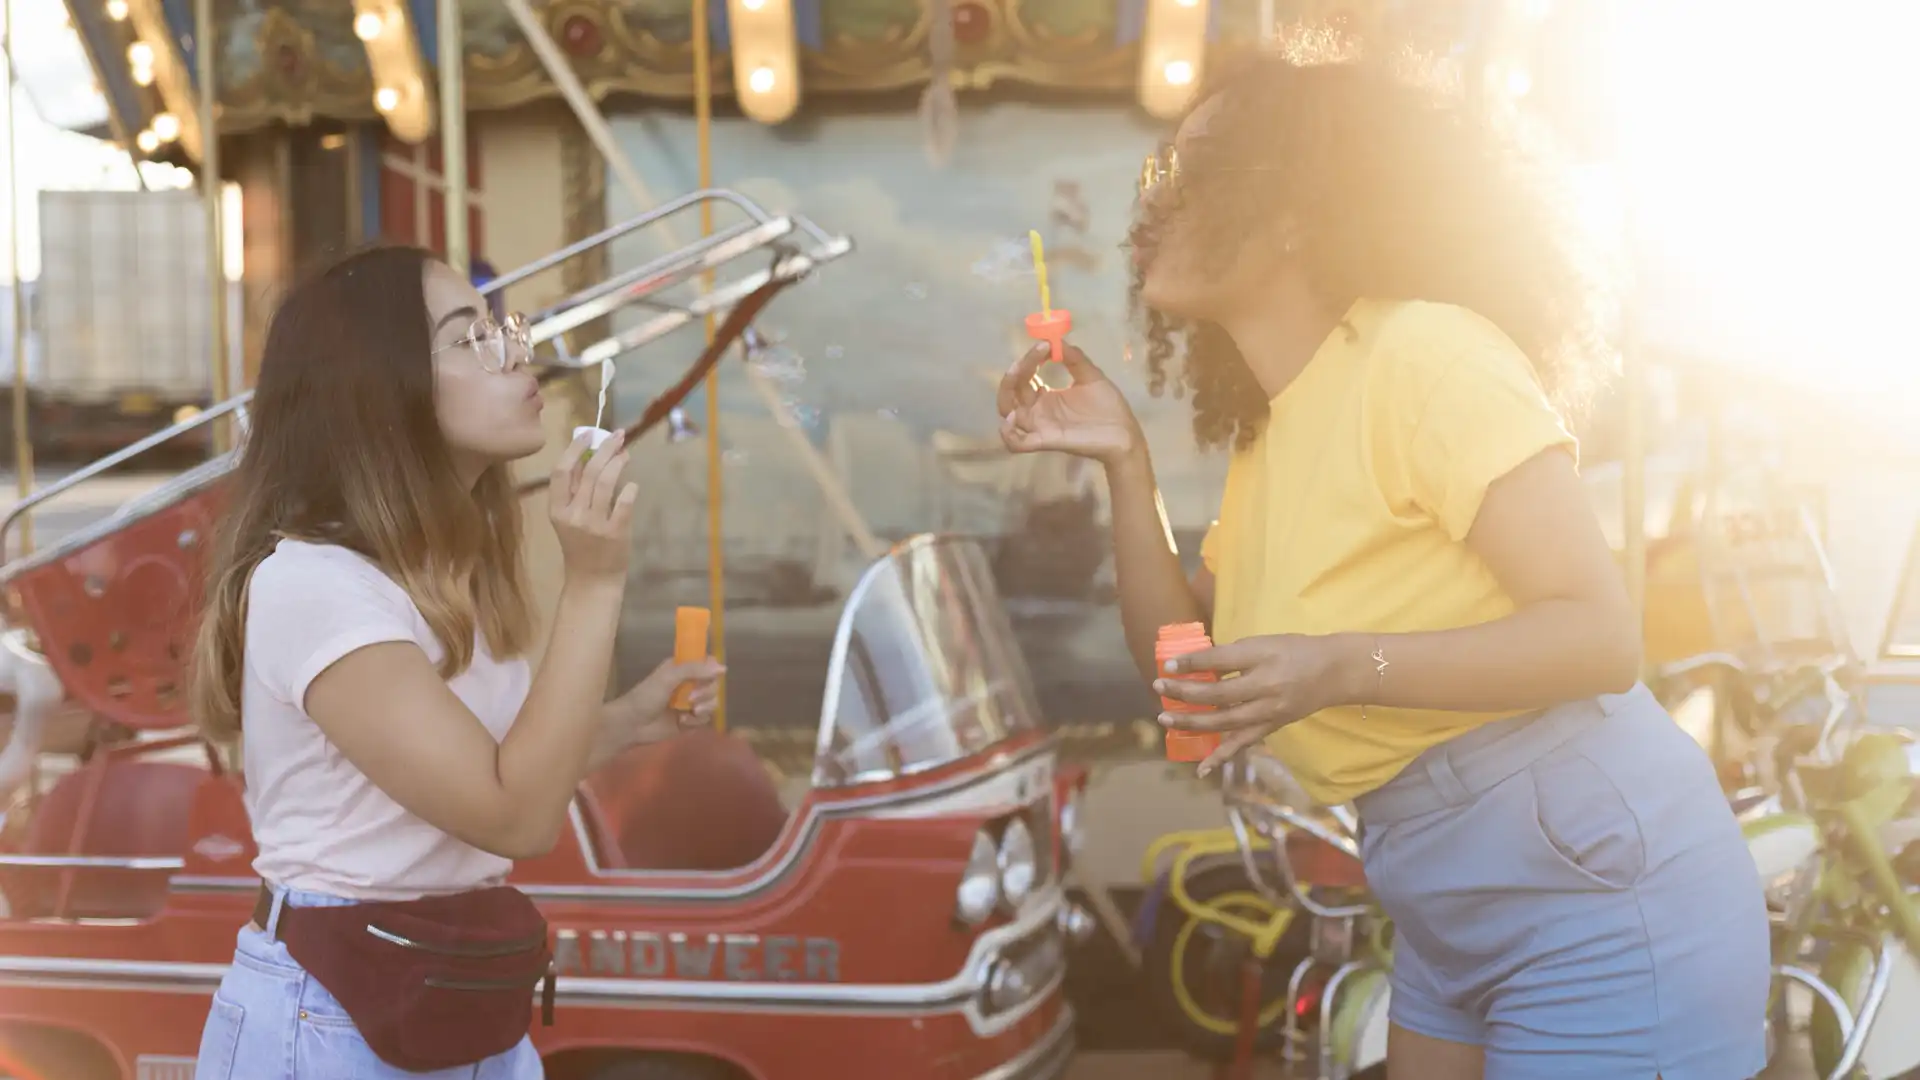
[(1350, 511)]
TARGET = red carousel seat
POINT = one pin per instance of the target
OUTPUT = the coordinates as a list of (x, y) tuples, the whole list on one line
[(140, 809), (702, 801), (114, 604), (1319, 865)]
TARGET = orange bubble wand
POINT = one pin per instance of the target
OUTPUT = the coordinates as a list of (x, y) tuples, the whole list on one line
[(1049, 324)]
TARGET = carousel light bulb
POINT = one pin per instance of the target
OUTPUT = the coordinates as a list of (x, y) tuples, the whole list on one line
[(761, 80), (1519, 82), (368, 24), (386, 98), (166, 127), (1178, 72), (1186, 3), (140, 54), (117, 10), (147, 141), (753, 5)]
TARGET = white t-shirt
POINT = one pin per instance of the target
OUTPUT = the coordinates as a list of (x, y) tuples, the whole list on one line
[(320, 824)]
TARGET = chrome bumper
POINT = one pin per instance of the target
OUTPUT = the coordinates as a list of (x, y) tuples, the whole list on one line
[(1044, 1060)]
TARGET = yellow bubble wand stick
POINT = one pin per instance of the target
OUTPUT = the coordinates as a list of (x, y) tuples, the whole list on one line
[(1049, 324)]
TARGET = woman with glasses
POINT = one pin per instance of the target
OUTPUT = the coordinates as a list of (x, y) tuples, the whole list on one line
[(1378, 308), (367, 639)]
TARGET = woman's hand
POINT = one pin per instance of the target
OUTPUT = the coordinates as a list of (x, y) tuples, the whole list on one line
[(1276, 680), (1090, 418), (646, 711), (592, 512)]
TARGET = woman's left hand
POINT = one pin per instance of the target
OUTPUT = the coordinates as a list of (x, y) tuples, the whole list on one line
[(647, 708), (1277, 680)]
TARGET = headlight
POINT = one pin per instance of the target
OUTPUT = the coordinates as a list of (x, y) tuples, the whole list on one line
[(979, 891), (1007, 986), (1019, 865)]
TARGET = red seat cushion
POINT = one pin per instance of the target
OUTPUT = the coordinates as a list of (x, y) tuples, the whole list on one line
[(702, 801), (142, 808)]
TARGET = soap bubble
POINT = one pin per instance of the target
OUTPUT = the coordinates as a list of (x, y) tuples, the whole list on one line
[(917, 290), (807, 416), (781, 364), (771, 358), (1007, 260)]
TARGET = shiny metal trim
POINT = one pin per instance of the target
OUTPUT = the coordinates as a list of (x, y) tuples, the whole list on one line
[(1057, 1042), (1842, 1016), (235, 404), (771, 867), (958, 993), (790, 268), (597, 300), (762, 230), (145, 863)]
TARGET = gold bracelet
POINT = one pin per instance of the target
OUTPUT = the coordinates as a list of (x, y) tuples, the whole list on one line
[(1379, 673)]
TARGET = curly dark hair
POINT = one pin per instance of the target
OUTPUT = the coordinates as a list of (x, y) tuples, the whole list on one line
[(1395, 190)]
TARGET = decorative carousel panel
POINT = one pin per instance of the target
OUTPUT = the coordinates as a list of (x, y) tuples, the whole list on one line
[(288, 61), (291, 60), (631, 46)]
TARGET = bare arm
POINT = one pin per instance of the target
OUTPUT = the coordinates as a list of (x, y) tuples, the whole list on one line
[(395, 718), (388, 710), (1573, 634), (1146, 564)]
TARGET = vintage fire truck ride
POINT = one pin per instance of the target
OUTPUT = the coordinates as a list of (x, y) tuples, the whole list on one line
[(906, 918)]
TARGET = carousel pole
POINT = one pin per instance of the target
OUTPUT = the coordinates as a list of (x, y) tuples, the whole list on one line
[(204, 37), (453, 132), (22, 443), (716, 539)]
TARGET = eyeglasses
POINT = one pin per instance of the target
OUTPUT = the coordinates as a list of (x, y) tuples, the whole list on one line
[(1160, 166), (500, 346)]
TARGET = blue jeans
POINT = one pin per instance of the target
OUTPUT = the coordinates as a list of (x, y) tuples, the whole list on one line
[(1571, 892), (272, 1021)]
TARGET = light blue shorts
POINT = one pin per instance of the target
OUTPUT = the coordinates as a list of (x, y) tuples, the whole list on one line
[(272, 1021), (1570, 891)]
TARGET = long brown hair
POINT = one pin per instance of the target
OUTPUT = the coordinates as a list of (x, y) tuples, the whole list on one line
[(1399, 190), (345, 448)]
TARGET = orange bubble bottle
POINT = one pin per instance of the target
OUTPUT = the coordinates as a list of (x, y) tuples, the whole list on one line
[(1179, 639)]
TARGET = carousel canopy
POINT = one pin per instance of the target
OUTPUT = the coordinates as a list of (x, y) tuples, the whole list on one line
[(295, 61)]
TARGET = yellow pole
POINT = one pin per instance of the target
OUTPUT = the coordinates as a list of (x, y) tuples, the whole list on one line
[(453, 131), (716, 547), (204, 35), (22, 444)]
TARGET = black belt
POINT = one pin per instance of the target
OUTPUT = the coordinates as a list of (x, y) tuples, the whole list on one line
[(263, 913)]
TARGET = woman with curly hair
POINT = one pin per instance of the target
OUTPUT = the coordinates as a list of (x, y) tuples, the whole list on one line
[(1378, 308)]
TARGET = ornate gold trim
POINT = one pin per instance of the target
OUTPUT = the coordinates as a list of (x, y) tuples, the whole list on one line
[(632, 59), (315, 86)]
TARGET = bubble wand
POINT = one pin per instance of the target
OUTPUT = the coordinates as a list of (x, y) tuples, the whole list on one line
[(1049, 324), (597, 434)]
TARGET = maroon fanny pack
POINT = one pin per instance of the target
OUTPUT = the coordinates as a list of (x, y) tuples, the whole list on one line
[(433, 983)]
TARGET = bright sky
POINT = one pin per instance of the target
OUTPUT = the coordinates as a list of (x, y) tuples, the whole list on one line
[(49, 157)]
